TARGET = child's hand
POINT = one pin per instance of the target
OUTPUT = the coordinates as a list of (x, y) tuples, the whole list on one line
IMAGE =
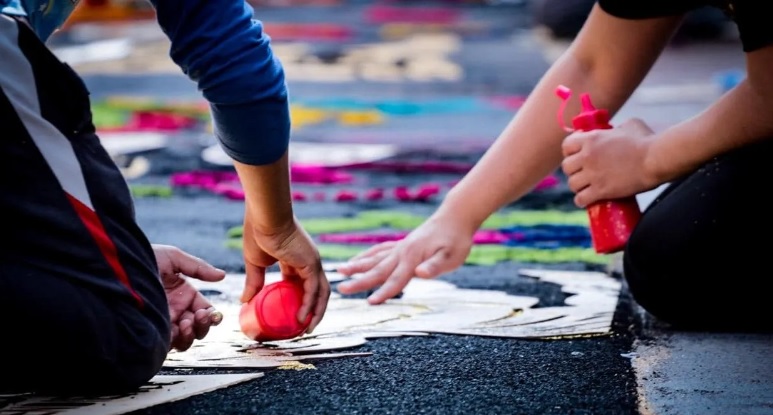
[(191, 315), (297, 256), (436, 247), (609, 164)]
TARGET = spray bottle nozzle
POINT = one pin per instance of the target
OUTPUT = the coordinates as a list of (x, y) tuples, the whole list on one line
[(587, 105), (589, 117)]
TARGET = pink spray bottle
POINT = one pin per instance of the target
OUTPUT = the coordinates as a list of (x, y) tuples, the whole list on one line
[(611, 221)]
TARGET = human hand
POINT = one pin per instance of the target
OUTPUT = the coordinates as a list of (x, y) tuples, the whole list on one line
[(437, 246), (297, 256), (191, 314), (608, 164)]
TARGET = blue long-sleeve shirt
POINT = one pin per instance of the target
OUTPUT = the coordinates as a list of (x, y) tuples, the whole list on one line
[(220, 46)]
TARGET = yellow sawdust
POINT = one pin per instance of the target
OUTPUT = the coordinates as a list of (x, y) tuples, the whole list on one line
[(296, 365), (576, 336)]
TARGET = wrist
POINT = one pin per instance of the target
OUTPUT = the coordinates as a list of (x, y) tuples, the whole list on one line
[(656, 166), (272, 225), (268, 203), (454, 212), (651, 164)]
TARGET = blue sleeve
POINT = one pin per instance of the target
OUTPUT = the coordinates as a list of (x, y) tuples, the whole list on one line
[(219, 45)]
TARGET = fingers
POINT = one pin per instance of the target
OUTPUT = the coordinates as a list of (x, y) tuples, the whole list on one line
[(580, 184), (311, 283), (194, 267), (192, 323), (175, 309), (578, 181), (572, 164), (185, 334), (203, 316), (437, 264), (363, 264), (199, 302), (370, 252), (175, 333), (573, 143), (323, 296), (585, 197), (370, 279), (202, 322), (394, 284), (253, 282)]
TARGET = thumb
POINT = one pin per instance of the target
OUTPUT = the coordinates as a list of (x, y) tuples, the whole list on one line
[(253, 282), (439, 263), (194, 267), (573, 143)]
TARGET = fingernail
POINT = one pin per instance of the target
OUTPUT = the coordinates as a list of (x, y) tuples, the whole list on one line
[(220, 270)]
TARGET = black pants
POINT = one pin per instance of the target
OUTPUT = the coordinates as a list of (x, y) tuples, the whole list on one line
[(85, 311), (699, 257)]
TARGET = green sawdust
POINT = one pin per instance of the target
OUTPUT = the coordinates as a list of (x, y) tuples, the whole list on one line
[(115, 112), (376, 219), (149, 190), (105, 116), (130, 104), (479, 255)]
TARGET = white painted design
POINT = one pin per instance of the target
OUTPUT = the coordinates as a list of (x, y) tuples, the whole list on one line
[(160, 389), (426, 307), (131, 142), (98, 51), (327, 154)]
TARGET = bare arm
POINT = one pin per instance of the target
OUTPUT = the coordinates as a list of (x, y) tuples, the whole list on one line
[(742, 116), (272, 234), (267, 191), (608, 59)]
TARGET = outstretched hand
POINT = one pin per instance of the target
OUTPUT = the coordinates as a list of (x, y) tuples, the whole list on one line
[(436, 247), (191, 314)]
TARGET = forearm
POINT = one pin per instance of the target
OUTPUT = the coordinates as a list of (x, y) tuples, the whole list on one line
[(267, 194), (742, 116), (608, 59), (529, 148)]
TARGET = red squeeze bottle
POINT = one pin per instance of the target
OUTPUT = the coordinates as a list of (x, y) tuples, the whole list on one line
[(611, 221), (272, 313)]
